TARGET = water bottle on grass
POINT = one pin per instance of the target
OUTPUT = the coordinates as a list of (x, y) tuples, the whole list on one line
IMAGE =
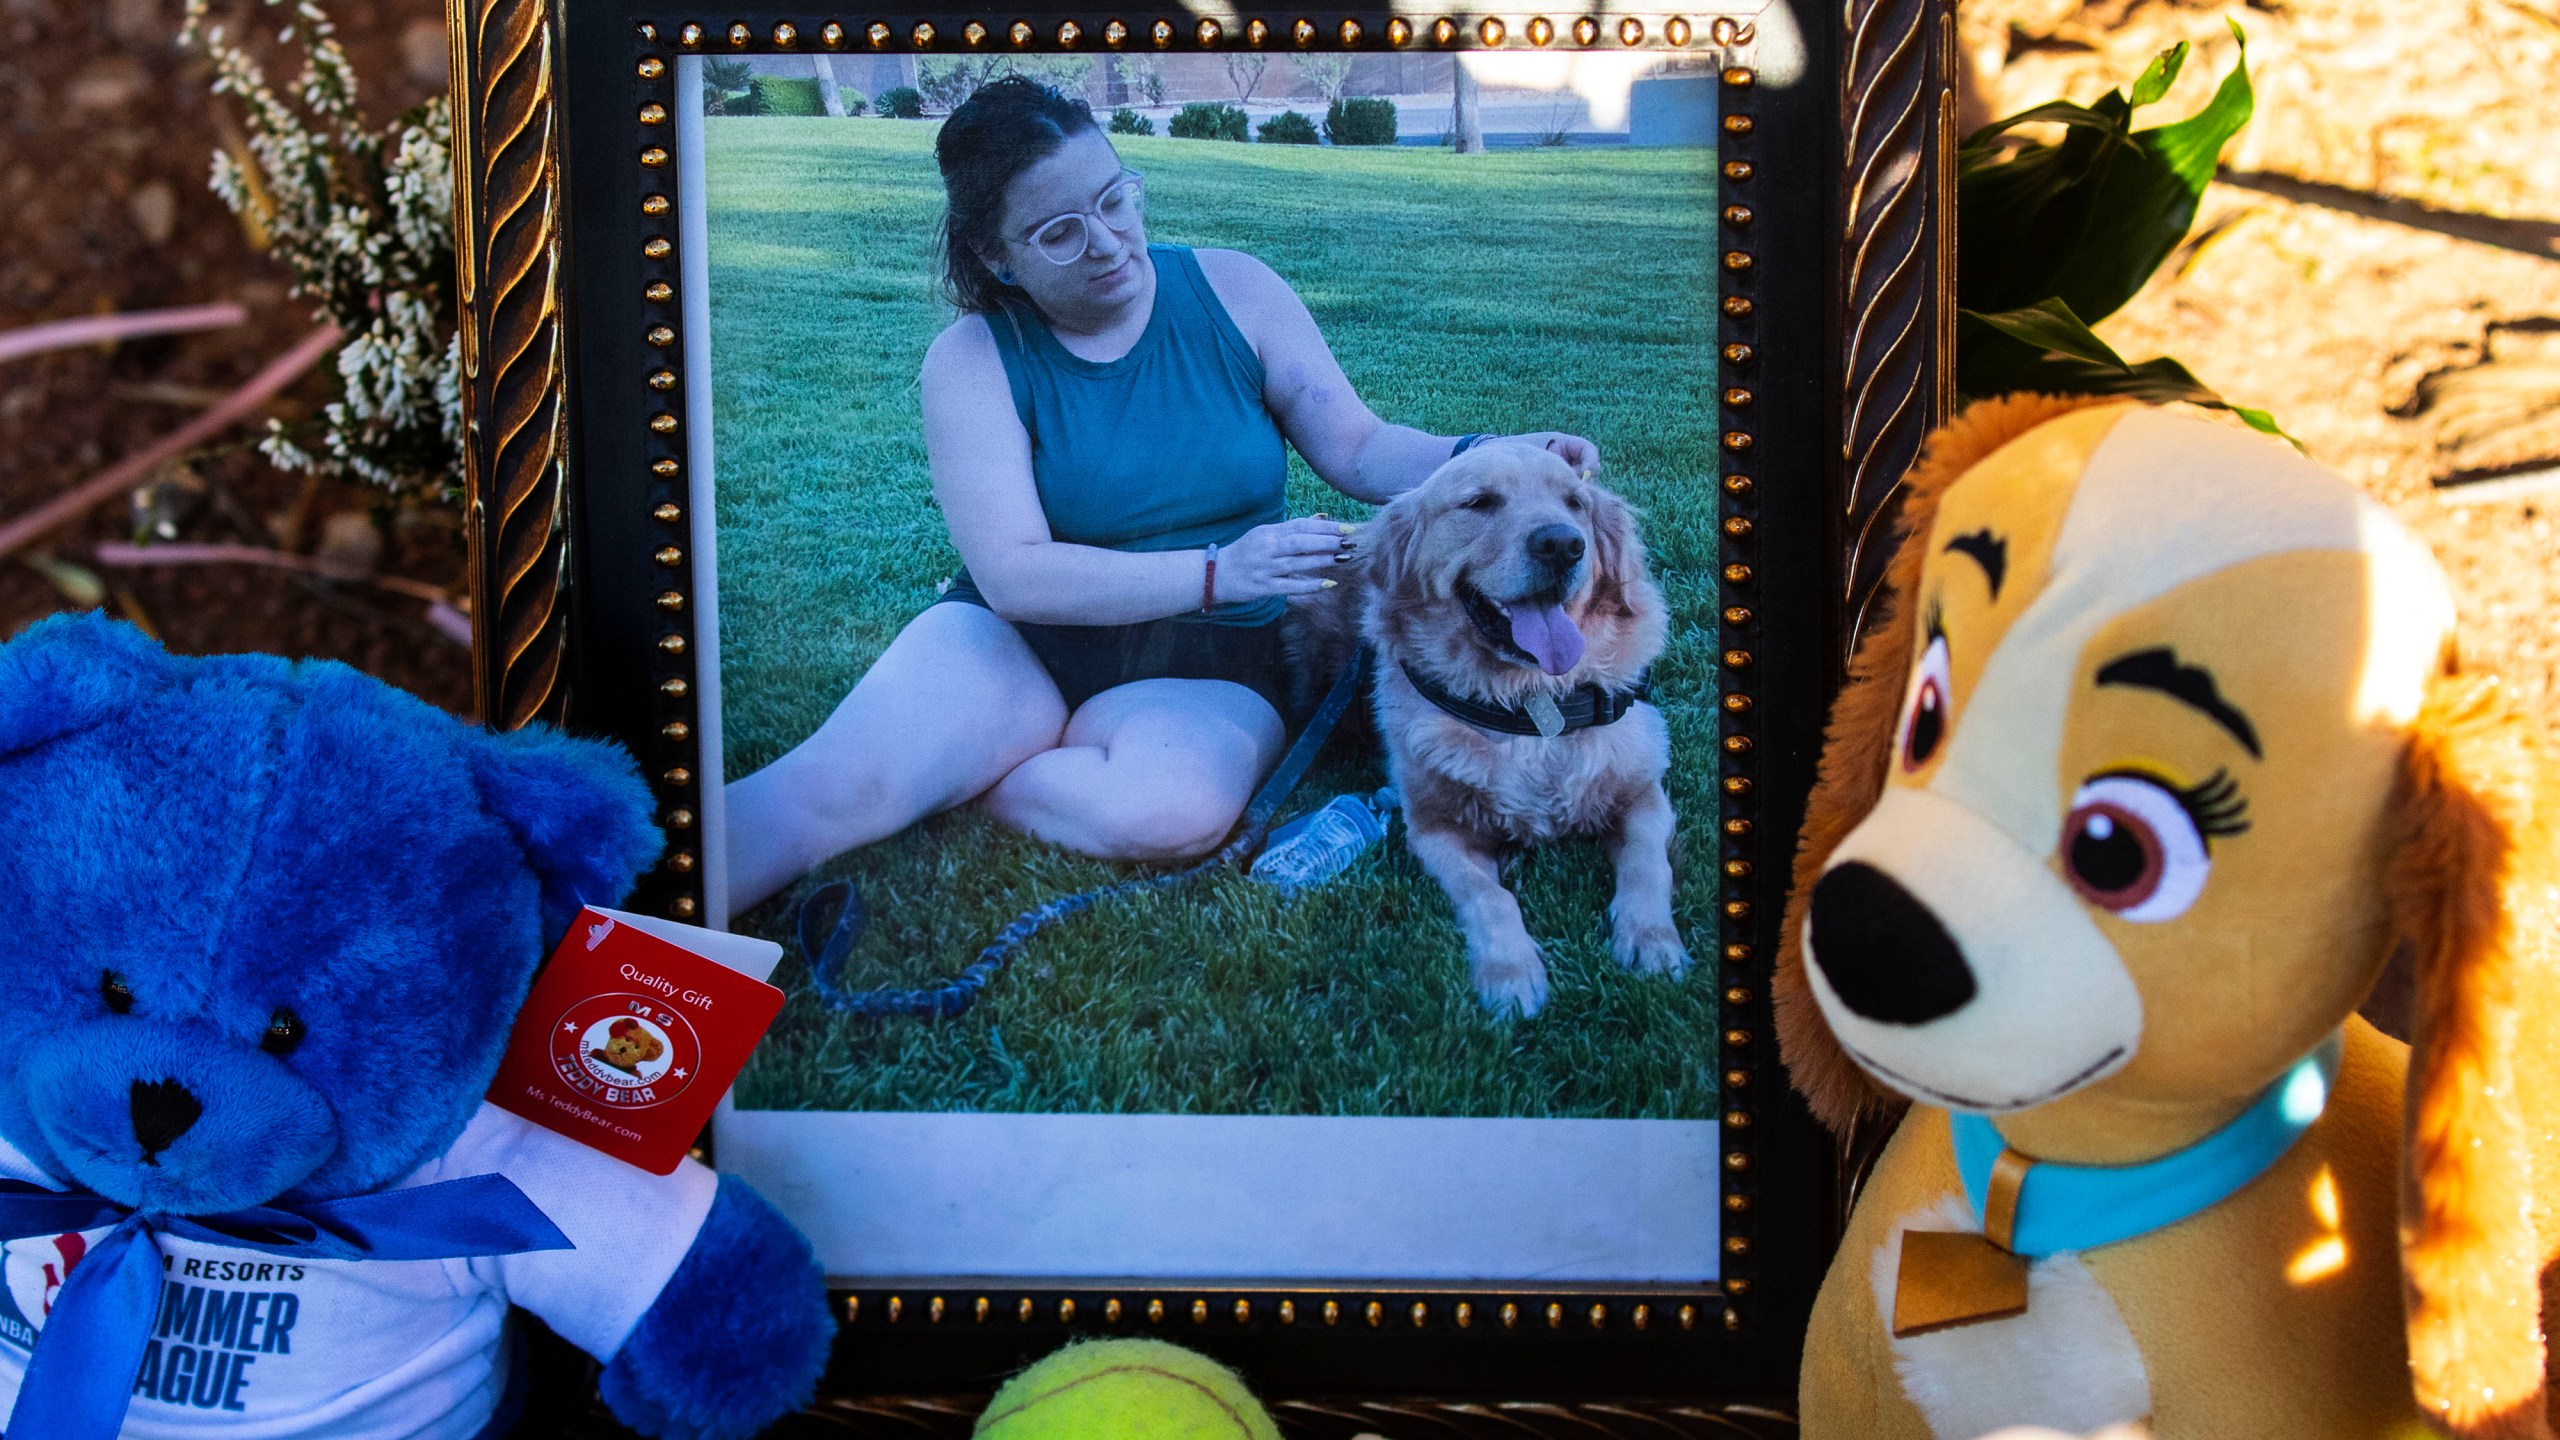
[(1322, 843)]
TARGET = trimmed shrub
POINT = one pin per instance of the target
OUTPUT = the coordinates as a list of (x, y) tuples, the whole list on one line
[(1125, 121), (1209, 120), (1288, 128), (786, 96), (1366, 120), (901, 102), (851, 99)]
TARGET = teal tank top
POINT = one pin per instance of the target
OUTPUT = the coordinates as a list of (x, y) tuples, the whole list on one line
[(1168, 447)]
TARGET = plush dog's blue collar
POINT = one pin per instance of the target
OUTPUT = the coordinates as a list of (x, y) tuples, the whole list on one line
[(2080, 1207)]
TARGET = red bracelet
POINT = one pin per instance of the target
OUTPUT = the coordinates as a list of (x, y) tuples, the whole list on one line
[(1209, 581)]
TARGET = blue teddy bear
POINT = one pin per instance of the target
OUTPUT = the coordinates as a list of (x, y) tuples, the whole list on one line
[(273, 922)]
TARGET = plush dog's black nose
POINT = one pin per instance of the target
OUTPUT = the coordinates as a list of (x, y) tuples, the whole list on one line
[(1885, 954), (162, 1111), (1558, 547)]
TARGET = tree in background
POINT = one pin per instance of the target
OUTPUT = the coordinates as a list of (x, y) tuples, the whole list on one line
[(729, 88), (1327, 72), (825, 68), (1466, 130), (946, 84), (1244, 71), (1143, 74)]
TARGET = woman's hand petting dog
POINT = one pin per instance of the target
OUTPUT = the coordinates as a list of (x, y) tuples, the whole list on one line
[(1289, 557), (1572, 449)]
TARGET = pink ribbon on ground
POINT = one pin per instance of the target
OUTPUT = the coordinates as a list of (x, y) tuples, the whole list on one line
[(107, 329), (80, 499)]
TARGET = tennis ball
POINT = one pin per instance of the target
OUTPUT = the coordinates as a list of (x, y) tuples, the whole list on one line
[(1125, 1390)]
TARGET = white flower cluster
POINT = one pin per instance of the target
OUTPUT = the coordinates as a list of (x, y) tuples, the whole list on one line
[(363, 220)]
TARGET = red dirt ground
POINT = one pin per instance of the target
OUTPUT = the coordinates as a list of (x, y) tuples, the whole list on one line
[(106, 131)]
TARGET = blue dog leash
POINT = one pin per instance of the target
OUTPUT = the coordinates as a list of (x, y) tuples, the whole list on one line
[(79, 1378), (836, 912)]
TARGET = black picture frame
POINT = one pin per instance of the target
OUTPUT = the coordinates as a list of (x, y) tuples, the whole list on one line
[(1835, 324)]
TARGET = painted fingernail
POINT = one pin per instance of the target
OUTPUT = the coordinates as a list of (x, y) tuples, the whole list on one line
[(1338, 559), (1349, 529), (1328, 584)]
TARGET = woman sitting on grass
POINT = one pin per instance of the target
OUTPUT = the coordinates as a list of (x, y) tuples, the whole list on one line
[(1105, 424)]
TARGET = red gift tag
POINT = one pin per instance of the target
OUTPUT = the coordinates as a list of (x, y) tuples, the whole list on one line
[(634, 1031)]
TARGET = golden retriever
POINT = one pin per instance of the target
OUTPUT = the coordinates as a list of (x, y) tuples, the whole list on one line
[(1518, 591)]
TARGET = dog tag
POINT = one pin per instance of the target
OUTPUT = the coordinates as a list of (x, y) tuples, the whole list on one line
[(1948, 1278), (1544, 714)]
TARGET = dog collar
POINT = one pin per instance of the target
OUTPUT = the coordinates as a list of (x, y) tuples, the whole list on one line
[(1582, 708), (2080, 1207)]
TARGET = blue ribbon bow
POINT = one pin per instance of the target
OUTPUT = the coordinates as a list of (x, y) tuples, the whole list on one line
[(80, 1377)]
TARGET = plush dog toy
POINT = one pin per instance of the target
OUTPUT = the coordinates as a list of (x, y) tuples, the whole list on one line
[(272, 924), (2158, 753)]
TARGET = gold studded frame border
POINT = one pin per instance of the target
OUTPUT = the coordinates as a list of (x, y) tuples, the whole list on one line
[(1830, 294)]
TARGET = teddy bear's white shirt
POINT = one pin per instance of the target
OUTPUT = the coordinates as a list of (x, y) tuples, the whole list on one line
[(2069, 1362), (247, 1345)]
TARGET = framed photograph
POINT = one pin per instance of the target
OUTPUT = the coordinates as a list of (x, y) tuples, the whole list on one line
[(999, 470)]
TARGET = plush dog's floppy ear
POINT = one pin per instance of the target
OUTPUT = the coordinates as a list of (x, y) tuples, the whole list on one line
[(1858, 744), (66, 673), (2474, 887), (579, 808)]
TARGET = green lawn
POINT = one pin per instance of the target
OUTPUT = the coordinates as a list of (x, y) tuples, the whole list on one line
[(1536, 289)]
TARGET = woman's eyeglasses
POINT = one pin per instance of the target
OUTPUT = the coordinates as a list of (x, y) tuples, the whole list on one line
[(1063, 239)]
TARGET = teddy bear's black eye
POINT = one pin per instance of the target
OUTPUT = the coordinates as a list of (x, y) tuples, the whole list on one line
[(112, 989), (284, 1031)]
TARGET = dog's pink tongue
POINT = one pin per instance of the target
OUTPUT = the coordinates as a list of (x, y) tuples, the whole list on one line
[(1548, 634)]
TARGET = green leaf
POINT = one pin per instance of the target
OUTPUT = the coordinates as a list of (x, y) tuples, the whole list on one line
[(2052, 112), (2159, 75), (2264, 423), (2160, 381), (2049, 325), (2023, 218), (2191, 147), (2046, 350), (2090, 218), (2147, 203), (76, 583), (2054, 237)]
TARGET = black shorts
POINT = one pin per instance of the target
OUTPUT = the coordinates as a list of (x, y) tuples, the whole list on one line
[(1086, 660)]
